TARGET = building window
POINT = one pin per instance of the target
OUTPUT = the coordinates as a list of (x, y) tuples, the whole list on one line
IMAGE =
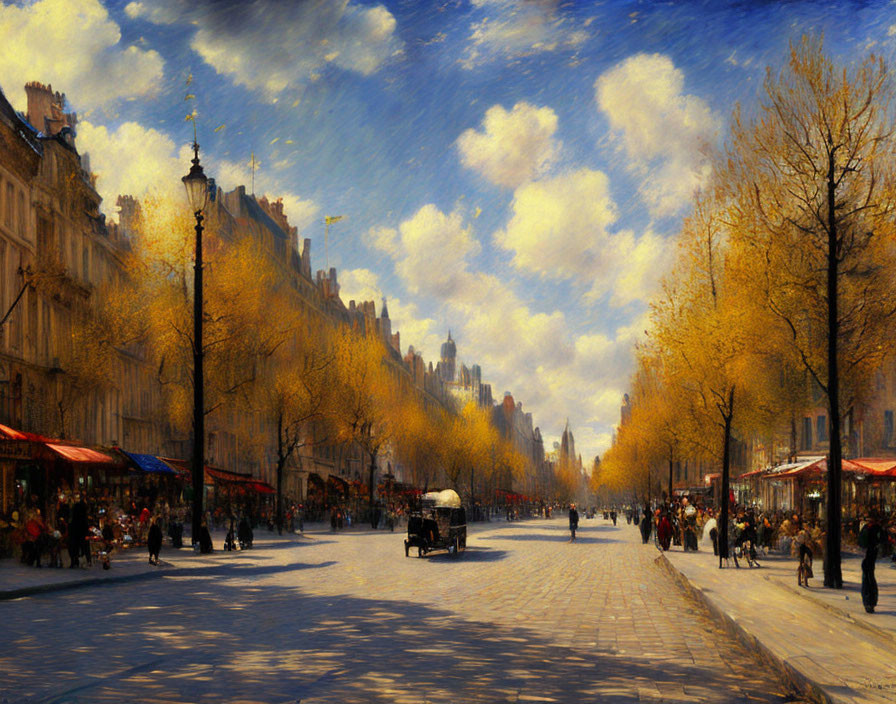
[(807, 434), (23, 217), (822, 428), (888, 428), (10, 204)]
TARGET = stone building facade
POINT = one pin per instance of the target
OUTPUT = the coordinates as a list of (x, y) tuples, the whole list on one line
[(56, 252)]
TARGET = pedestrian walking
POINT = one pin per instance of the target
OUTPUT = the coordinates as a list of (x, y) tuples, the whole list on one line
[(646, 525), (205, 539), (870, 537), (664, 530), (613, 516), (573, 522), (711, 533), (154, 540)]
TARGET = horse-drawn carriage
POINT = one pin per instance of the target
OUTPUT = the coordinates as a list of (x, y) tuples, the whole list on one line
[(439, 524)]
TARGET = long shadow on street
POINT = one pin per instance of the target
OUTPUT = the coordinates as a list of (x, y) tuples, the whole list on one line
[(192, 639)]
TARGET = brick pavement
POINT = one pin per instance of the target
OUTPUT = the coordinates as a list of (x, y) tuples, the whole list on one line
[(822, 636), (522, 616)]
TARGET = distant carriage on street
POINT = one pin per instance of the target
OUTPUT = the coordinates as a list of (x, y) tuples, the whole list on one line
[(440, 524)]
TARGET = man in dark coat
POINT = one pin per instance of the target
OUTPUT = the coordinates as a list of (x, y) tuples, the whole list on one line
[(573, 522), (646, 525), (154, 541), (870, 537), (205, 539)]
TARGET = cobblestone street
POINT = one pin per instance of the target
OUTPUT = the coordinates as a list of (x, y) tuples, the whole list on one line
[(522, 616)]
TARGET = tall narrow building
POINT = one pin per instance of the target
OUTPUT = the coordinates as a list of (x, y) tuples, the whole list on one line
[(449, 359)]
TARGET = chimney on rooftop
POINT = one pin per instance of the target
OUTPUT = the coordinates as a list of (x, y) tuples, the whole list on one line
[(46, 109)]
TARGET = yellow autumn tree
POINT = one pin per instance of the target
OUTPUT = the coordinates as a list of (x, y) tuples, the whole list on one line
[(812, 184), (293, 391), (366, 399), (239, 331), (701, 336), (417, 441)]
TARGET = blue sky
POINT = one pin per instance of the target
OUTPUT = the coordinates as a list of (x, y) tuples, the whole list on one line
[(510, 169)]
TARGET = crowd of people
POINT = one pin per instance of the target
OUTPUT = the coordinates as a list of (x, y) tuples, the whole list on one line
[(88, 526), (84, 526), (754, 533)]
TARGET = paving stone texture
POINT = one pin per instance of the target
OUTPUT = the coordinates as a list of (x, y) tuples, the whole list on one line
[(825, 635), (522, 616)]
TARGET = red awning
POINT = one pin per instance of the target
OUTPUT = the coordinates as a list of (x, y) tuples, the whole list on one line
[(261, 487), (12, 434), (871, 466), (222, 475), (74, 453)]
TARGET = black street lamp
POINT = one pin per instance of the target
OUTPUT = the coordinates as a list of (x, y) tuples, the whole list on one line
[(196, 184)]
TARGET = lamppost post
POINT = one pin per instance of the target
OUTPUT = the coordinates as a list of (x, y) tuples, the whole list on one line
[(196, 184)]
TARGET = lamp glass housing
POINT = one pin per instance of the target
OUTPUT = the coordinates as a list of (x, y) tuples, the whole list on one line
[(196, 184)]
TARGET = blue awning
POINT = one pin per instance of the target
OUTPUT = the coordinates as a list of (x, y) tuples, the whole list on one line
[(150, 463)]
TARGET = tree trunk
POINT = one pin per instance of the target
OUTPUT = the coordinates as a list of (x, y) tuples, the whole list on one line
[(281, 461), (371, 503), (472, 474), (670, 477), (726, 468), (832, 574)]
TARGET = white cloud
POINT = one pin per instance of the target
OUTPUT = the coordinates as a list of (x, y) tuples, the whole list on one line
[(75, 46), (383, 239), (559, 225), (633, 268), (132, 160), (157, 13), (561, 228), (532, 353), (664, 132), (302, 212), (416, 330), (431, 250), (272, 46), (137, 160), (513, 147), (511, 29)]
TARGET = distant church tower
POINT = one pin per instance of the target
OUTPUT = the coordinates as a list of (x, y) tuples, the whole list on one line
[(449, 357), (385, 324), (567, 444)]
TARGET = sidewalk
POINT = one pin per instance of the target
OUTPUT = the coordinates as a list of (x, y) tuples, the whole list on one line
[(820, 639), (18, 580)]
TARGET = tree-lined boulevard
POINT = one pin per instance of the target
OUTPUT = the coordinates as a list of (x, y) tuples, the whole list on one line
[(522, 616), (782, 297)]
